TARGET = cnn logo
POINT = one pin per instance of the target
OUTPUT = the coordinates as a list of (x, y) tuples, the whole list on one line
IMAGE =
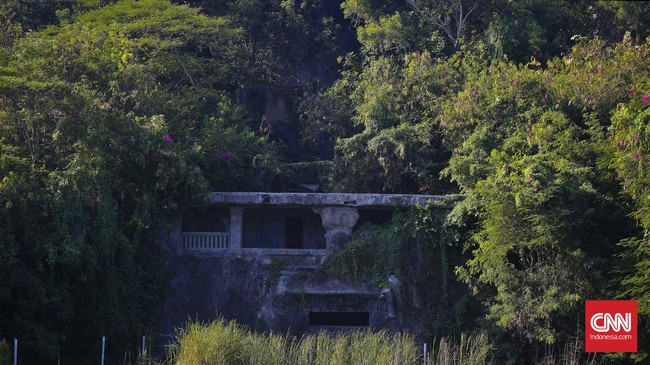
[(611, 326), (605, 322)]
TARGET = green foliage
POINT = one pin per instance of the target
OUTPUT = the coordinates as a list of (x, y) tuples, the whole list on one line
[(629, 151), (109, 124), (373, 253), (281, 35), (470, 349), (420, 248), (359, 10), (630, 133), (622, 17), (538, 29), (391, 148), (530, 153), (5, 353), (21, 16), (225, 343), (275, 270), (385, 35), (222, 342)]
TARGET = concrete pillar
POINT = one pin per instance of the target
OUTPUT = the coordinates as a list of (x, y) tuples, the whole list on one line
[(236, 225), (175, 232), (338, 223)]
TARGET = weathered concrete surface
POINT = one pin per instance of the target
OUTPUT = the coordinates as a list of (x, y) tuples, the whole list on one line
[(337, 221), (236, 223), (328, 199), (267, 290), (203, 288)]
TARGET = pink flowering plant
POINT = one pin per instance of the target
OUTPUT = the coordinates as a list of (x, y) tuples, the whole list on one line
[(631, 139)]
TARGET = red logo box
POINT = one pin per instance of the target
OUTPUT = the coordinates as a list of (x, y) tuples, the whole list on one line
[(610, 326)]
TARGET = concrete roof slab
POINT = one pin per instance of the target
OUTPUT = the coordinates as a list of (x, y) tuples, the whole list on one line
[(329, 199)]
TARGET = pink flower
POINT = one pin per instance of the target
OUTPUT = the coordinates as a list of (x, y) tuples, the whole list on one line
[(599, 69), (225, 154), (516, 83), (636, 156), (644, 99), (168, 138), (636, 137)]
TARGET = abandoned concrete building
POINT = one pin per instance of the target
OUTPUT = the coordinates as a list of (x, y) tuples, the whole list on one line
[(245, 256)]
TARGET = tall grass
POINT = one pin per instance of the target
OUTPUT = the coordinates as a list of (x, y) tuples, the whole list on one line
[(471, 350), (5, 353), (572, 353), (227, 343)]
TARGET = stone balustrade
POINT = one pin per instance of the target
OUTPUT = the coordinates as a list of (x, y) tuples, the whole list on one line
[(205, 241)]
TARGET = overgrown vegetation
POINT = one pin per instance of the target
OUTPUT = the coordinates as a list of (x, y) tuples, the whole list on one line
[(471, 350), (114, 115), (373, 254), (420, 247), (225, 343), (5, 353)]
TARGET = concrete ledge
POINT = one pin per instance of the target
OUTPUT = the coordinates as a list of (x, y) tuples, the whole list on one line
[(328, 199), (261, 252), (284, 251)]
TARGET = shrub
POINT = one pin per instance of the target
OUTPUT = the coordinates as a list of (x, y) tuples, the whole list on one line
[(5, 353)]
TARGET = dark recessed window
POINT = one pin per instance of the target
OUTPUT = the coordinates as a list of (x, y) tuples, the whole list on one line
[(293, 234), (377, 217)]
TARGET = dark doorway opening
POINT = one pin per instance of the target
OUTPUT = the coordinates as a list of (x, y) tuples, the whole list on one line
[(293, 235), (349, 319), (376, 217)]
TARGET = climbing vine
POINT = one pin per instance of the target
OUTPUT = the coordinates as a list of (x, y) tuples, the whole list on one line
[(420, 247)]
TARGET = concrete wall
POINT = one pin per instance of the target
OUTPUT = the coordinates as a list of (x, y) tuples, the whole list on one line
[(262, 291)]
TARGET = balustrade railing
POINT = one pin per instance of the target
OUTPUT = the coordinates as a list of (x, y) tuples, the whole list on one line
[(205, 241)]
